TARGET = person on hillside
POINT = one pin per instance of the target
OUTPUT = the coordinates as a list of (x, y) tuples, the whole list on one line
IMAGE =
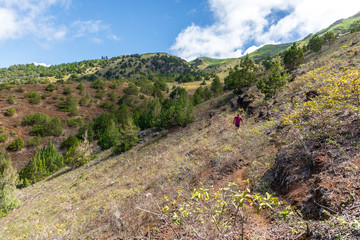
[(238, 120)]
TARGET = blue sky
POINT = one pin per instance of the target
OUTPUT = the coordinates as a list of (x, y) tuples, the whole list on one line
[(63, 31)]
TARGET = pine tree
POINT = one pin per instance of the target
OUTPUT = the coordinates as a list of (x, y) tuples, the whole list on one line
[(45, 161), (110, 137), (315, 43), (242, 76), (293, 57), (275, 81), (216, 86)]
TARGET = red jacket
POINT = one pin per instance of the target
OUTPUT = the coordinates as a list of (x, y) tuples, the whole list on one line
[(237, 120)]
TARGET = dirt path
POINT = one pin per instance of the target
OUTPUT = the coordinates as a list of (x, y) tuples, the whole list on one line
[(239, 177), (257, 225)]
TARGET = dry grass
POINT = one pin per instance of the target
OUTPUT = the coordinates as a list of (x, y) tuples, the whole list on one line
[(190, 86), (113, 197), (96, 199)]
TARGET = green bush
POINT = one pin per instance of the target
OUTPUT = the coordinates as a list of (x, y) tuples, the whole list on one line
[(100, 94), (67, 91), (293, 57), (74, 122), (126, 143), (131, 89), (4, 136), (216, 87), (176, 111), (34, 97), (355, 27), (11, 99), (71, 141), (274, 82), (83, 101), (113, 86), (86, 131), (243, 76), (147, 88), (43, 125), (34, 142), (46, 161), (74, 158), (161, 84), (51, 128), (108, 106), (110, 137), (315, 43), (51, 87), (201, 94), (16, 145), (36, 118), (10, 112), (112, 96), (98, 84), (69, 105)]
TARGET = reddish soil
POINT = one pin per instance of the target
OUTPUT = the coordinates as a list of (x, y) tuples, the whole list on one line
[(23, 108)]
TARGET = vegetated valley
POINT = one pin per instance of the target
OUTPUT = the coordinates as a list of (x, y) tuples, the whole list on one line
[(144, 146)]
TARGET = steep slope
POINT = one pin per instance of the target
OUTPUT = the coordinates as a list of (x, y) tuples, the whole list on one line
[(104, 198), (302, 145), (318, 163)]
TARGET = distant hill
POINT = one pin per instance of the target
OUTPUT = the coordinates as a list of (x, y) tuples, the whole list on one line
[(341, 26), (269, 50), (122, 67)]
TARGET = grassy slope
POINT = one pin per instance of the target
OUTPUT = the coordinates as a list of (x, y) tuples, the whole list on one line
[(86, 200), (206, 62), (97, 199), (269, 50), (342, 25)]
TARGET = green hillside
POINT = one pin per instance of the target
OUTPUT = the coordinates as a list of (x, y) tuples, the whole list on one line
[(138, 157), (269, 50), (341, 26), (204, 62), (117, 68)]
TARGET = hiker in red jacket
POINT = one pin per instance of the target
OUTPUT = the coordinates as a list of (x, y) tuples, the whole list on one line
[(238, 120)]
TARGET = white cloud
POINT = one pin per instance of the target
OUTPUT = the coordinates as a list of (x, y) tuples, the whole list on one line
[(82, 28), (41, 64), (33, 18), (11, 29), (252, 49), (23, 17), (114, 37), (242, 23)]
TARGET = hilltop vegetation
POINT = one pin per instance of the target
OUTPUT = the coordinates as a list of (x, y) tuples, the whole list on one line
[(118, 68)]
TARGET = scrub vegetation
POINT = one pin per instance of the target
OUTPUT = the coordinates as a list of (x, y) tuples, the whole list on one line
[(144, 146)]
